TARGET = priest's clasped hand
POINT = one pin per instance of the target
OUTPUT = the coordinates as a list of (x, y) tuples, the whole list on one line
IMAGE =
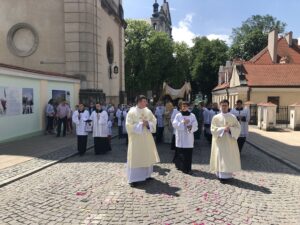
[(227, 129), (145, 123), (186, 121)]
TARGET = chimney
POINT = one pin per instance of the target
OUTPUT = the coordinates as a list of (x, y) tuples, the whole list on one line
[(295, 42), (221, 75), (228, 64), (272, 45), (289, 38)]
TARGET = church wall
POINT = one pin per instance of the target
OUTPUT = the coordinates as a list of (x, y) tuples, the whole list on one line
[(110, 29), (46, 18)]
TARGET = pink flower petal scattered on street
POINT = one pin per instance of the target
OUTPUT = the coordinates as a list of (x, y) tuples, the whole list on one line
[(80, 193)]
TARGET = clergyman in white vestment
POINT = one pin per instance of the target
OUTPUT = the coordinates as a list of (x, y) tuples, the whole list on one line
[(225, 155), (142, 152)]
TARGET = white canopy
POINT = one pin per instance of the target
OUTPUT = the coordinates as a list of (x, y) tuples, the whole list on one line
[(177, 93)]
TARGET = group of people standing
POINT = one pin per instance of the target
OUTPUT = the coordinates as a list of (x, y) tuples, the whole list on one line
[(96, 121), (225, 129), (58, 115)]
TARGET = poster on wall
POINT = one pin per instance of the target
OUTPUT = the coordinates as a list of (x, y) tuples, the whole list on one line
[(3, 101), (27, 100), (58, 96), (13, 101), (16, 101)]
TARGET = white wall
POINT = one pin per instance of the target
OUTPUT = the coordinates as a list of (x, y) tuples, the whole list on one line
[(15, 126)]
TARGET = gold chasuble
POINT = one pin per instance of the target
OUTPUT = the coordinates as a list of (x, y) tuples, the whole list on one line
[(225, 156), (142, 150)]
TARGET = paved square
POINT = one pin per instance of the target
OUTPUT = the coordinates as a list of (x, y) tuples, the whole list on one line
[(93, 190)]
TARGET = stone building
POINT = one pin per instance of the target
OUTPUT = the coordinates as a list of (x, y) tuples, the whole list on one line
[(84, 38), (161, 19)]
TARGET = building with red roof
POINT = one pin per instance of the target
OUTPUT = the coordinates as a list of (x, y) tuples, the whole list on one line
[(273, 75)]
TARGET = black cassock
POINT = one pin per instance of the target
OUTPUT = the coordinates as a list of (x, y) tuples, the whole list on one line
[(183, 159), (81, 143), (101, 145)]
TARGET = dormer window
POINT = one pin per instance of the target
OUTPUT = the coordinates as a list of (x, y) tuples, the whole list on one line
[(284, 60)]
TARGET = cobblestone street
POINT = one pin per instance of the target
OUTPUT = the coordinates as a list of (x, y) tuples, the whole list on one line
[(93, 190)]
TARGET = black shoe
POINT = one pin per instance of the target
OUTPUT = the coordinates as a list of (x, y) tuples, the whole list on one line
[(150, 178), (57, 135), (223, 181), (190, 173), (133, 184)]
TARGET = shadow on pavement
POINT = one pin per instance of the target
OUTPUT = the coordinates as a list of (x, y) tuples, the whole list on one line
[(154, 186), (246, 185), (203, 174), (161, 171)]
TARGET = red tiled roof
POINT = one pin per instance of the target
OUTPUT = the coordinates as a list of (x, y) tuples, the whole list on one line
[(263, 57), (292, 52), (37, 71), (277, 75), (221, 86), (283, 49)]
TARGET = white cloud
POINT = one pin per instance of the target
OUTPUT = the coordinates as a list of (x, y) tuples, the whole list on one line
[(223, 37), (173, 9), (182, 32)]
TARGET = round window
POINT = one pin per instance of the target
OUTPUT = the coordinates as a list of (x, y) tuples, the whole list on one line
[(110, 51), (22, 40)]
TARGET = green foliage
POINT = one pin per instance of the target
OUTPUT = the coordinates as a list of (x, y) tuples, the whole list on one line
[(181, 68), (252, 36), (207, 56), (152, 58), (149, 60), (136, 39)]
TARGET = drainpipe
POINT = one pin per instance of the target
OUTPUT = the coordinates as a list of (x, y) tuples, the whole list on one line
[(227, 93), (249, 94)]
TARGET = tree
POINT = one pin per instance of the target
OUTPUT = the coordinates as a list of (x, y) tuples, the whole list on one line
[(159, 61), (207, 56), (151, 58), (252, 36), (182, 62), (136, 37)]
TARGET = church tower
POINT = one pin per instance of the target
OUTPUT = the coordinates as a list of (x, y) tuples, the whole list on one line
[(161, 19)]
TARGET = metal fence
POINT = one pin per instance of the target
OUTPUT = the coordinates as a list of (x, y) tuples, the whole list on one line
[(253, 114), (283, 115)]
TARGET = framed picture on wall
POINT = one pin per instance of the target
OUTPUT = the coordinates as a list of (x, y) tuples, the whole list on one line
[(58, 96), (27, 100)]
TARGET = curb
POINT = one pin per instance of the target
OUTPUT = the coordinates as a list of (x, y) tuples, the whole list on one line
[(38, 169), (276, 157)]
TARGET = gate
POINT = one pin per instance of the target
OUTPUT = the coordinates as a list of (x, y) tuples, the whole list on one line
[(253, 114), (283, 116)]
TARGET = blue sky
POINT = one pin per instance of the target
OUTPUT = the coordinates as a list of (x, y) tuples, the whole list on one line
[(216, 18)]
